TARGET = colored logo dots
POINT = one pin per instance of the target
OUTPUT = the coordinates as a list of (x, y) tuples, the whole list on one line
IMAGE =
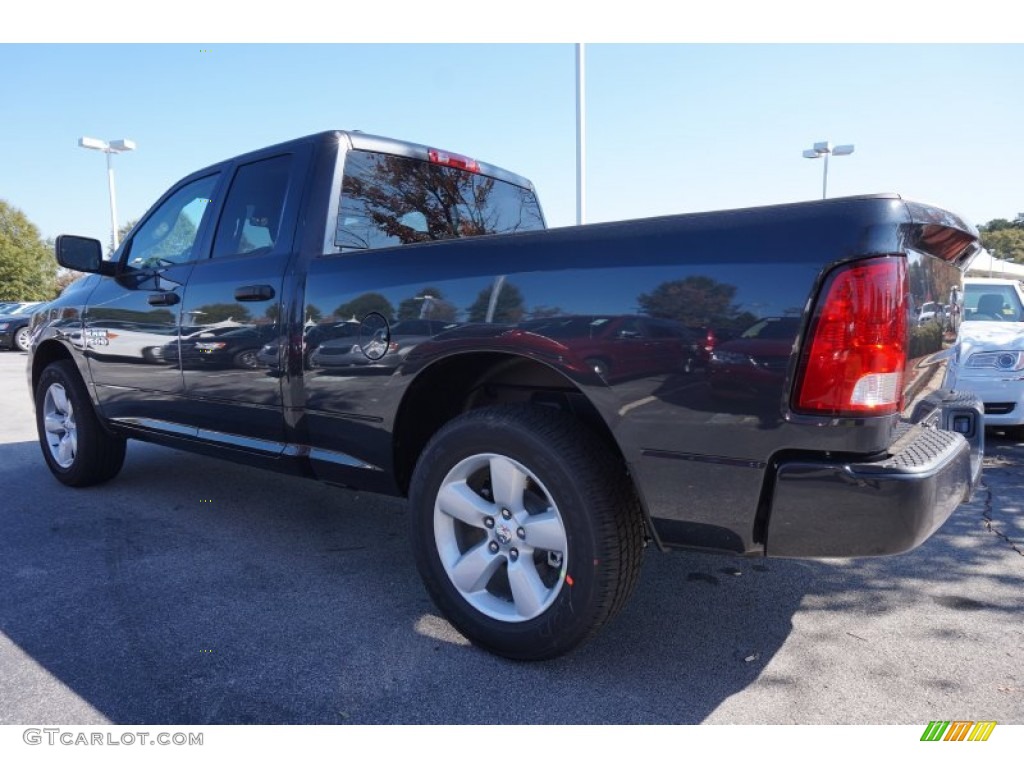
[(958, 730)]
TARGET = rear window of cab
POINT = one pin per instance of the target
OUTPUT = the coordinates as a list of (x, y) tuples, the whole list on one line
[(388, 200)]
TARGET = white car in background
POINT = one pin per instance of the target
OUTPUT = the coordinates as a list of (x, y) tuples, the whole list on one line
[(991, 357), (931, 311)]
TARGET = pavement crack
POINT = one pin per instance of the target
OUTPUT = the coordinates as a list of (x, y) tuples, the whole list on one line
[(986, 516)]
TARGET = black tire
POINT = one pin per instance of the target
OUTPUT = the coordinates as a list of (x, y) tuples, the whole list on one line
[(78, 451), (246, 359), (23, 338), (575, 517)]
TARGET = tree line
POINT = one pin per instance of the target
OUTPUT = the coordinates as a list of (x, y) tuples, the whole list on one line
[(1004, 238)]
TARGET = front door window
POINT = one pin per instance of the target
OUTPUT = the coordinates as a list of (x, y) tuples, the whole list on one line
[(169, 235)]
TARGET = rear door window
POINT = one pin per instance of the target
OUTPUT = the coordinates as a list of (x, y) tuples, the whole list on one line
[(253, 213)]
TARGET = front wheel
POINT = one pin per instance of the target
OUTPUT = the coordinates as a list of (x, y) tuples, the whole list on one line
[(526, 530), (247, 359), (78, 451)]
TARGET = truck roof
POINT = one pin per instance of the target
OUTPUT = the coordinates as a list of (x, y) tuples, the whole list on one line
[(992, 280), (372, 143)]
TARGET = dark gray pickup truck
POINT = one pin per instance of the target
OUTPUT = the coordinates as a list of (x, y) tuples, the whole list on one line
[(389, 317)]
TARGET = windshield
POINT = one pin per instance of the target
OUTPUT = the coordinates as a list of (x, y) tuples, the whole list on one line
[(388, 200), (992, 303)]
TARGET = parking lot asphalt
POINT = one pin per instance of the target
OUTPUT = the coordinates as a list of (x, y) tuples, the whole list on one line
[(192, 590)]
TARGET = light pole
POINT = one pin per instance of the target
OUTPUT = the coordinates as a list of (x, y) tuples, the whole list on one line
[(113, 147), (581, 136), (824, 149)]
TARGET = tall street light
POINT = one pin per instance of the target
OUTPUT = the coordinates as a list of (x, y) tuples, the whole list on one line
[(824, 149), (581, 136), (112, 147)]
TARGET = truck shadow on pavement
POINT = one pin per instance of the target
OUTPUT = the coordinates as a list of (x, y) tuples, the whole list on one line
[(196, 591)]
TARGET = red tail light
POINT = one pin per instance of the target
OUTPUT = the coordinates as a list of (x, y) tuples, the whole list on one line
[(856, 353), (452, 160)]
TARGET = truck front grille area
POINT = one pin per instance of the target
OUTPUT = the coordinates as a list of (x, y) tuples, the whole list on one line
[(999, 409)]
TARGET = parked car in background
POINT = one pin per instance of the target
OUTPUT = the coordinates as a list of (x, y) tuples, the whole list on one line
[(931, 311), (707, 339), (991, 360), (223, 348), (618, 347), (755, 364), (345, 352), (14, 321), (17, 307)]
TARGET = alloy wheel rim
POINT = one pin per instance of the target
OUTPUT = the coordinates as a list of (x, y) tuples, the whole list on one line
[(500, 538), (59, 426)]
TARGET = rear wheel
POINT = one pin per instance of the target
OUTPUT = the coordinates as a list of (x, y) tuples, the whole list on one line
[(526, 530), (78, 451)]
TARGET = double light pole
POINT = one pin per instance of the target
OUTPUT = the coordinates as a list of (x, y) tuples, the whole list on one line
[(824, 149), (113, 147)]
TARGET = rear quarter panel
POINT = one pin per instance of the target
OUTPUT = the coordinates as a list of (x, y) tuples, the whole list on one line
[(699, 458)]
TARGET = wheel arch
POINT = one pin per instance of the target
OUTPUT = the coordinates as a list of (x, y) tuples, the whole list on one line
[(459, 383), (46, 353)]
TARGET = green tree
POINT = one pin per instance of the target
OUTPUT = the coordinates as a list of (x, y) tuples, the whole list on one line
[(694, 300), (122, 233), (1004, 238), (1007, 244), (542, 311), (27, 267), (996, 225), (364, 304), (509, 307), (429, 304)]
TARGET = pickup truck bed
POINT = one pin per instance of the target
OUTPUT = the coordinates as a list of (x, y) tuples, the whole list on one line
[(547, 399)]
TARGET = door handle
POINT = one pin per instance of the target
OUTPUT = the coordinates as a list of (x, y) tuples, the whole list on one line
[(164, 299), (254, 293)]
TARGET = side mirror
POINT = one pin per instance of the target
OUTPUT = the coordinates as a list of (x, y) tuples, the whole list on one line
[(83, 254)]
